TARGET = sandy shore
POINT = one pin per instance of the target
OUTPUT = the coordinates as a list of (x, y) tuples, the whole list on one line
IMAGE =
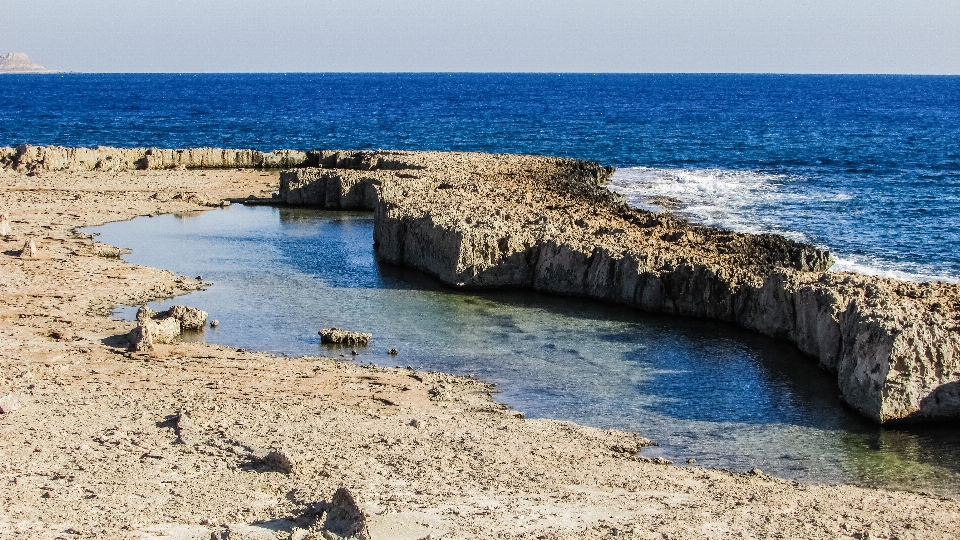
[(106, 443)]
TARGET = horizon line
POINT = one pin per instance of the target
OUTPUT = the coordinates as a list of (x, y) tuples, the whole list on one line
[(559, 73)]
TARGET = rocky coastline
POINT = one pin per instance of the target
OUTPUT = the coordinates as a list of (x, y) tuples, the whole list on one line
[(548, 224), (189, 440), (478, 221)]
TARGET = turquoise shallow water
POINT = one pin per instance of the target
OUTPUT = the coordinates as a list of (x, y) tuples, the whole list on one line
[(703, 390)]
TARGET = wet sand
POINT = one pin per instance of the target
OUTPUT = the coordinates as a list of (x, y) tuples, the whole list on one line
[(94, 447)]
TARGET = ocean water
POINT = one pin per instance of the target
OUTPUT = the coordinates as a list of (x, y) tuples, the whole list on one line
[(867, 166)]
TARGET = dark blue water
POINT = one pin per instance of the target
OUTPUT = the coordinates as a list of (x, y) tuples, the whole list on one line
[(868, 166)]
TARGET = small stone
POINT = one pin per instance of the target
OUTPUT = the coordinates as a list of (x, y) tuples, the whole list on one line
[(338, 336), (30, 250), (691, 461), (280, 461), (415, 423), (4, 224), (345, 518), (9, 403), (190, 318), (393, 352), (183, 427), (214, 323)]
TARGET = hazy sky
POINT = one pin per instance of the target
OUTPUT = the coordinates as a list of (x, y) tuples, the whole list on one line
[(794, 36)]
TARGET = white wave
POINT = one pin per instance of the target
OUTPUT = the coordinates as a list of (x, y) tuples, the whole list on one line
[(744, 201), (874, 267), (715, 197)]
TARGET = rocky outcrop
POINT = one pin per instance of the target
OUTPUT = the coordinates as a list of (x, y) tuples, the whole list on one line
[(19, 63), (336, 336), (35, 159), (547, 224), (164, 327)]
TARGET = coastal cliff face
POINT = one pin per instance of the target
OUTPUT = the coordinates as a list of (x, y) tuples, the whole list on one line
[(506, 221), (482, 221)]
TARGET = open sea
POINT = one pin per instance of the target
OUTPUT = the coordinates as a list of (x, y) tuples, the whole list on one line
[(866, 166)]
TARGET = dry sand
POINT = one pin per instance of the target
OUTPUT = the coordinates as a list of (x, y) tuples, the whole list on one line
[(101, 442)]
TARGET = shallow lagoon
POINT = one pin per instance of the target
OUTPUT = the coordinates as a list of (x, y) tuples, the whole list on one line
[(703, 390)]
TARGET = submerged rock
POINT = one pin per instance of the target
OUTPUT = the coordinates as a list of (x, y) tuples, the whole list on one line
[(344, 337)]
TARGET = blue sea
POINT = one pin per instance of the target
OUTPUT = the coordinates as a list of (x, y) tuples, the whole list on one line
[(867, 166)]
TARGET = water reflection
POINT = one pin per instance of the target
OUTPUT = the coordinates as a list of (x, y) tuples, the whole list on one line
[(702, 389)]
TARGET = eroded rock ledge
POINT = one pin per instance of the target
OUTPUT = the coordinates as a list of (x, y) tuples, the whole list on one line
[(548, 224)]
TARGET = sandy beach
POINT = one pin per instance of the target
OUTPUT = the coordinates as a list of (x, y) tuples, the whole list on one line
[(100, 442)]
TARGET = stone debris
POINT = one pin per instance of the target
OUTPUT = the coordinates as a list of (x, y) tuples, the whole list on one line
[(9, 403), (184, 427), (164, 327), (190, 318), (280, 461), (344, 518), (338, 336), (30, 250)]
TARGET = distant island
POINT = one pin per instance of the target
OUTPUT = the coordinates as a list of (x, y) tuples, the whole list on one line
[(19, 63)]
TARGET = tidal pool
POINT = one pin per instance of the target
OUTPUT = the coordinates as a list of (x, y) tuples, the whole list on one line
[(703, 390)]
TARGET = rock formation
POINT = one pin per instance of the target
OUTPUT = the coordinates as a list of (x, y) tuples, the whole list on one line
[(344, 337), (164, 327), (19, 63), (484, 221), (35, 159)]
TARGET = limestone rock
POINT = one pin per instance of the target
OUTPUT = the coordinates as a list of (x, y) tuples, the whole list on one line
[(30, 250), (479, 221), (9, 403), (280, 461), (28, 158), (165, 327), (344, 337), (190, 318), (344, 517), (4, 224)]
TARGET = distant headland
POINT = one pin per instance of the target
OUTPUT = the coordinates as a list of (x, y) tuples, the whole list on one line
[(19, 63)]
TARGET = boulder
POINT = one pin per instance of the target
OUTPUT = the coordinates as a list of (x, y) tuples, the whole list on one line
[(344, 337), (164, 327)]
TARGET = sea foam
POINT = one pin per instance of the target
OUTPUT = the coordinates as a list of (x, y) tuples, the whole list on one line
[(756, 202)]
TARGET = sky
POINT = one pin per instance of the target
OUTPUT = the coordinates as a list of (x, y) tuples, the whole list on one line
[(753, 36)]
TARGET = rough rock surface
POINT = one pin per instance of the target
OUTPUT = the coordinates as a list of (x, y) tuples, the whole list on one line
[(164, 327), (337, 336), (103, 445), (39, 159), (548, 224), (19, 63)]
